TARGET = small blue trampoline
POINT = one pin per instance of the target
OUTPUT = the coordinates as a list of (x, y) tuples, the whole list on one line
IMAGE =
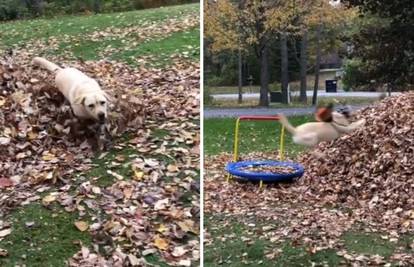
[(236, 169)]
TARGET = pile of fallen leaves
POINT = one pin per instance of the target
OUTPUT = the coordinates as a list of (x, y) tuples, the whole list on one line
[(35, 123), (268, 169), (135, 216), (365, 179), (372, 169)]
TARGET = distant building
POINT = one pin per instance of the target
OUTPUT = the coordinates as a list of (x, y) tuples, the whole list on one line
[(331, 61)]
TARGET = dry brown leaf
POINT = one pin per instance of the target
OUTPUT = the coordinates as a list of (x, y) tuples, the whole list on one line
[(47, 200), (82, 225), (5, 232)]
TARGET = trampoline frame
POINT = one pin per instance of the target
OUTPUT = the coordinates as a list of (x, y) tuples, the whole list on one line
[(237, 135)]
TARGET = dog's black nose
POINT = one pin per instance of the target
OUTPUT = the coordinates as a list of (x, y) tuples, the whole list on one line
[(101, 117)]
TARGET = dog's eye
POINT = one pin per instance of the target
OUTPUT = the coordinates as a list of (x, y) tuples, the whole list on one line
[(91, 105), (102, 103)]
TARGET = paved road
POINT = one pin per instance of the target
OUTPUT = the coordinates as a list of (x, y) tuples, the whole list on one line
[(236, 112), (321, 93)]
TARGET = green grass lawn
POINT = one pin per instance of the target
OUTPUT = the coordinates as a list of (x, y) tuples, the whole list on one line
[(231, 249), (254, 136), (229, 233), (126, 36), (51, 239), (16, 33), (250, 103)]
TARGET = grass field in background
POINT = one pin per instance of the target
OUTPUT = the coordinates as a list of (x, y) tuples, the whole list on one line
[(251, 103), (102, 36), (254, 135), (325, 74)]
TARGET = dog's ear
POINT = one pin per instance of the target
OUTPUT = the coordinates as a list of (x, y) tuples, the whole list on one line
[(80, 100), (324, 114)]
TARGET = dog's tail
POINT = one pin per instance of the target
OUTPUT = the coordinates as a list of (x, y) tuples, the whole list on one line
[(52, 67), (284, 121)]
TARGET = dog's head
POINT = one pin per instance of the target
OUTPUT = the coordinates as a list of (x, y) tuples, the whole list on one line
[(328, 114), (95, 105)]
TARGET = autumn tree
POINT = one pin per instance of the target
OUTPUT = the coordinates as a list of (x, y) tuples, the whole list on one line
[(223, 28), (253, 25), (317, 17), (249, 23), (384, 43)]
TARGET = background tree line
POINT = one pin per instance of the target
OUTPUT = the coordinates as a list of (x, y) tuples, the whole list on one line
[(22, 9), (283, 41)]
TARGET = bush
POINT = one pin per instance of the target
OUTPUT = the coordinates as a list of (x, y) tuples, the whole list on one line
[(354, 77), (19, 9), (226, 79), (11, 9), (275, 87)]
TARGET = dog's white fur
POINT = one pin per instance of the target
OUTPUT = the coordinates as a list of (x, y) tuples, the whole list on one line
[(312, 133), (87, 99)]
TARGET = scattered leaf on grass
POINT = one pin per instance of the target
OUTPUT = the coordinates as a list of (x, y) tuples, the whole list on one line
[(82, 225), (5, 232), (3, 252)]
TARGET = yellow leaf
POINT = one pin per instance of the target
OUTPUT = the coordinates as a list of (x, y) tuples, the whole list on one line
[(162, 228), (406, 223), (82, 225), (48, 157), (48, 199), (188, 226), (172, 168), (138, 175), (32, 135), (161, 243)]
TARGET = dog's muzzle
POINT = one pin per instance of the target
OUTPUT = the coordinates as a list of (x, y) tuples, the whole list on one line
[(101, 117)]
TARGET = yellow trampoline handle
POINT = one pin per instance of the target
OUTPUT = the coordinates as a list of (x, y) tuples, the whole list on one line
[(236, 141), (282, 143)]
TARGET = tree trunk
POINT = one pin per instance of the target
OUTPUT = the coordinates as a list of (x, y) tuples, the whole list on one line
[(36, 6), (284, 67), (264, 77), (303, 67), (240, 77), (317, 65), (97, 6)]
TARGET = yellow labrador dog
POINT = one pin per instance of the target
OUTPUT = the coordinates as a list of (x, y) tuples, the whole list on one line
[(329, 127), (87, 99)]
